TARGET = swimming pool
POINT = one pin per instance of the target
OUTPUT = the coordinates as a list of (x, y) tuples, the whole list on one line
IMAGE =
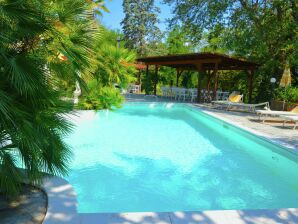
[(170, 157)]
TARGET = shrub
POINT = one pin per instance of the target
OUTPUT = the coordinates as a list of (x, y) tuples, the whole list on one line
[(288, 94), (98, 97)]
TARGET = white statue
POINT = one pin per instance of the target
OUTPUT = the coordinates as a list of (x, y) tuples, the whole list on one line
[(77, 93)]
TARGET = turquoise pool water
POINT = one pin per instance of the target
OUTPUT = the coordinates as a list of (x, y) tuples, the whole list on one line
[(165, 157)]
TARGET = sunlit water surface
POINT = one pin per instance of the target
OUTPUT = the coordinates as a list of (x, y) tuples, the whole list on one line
[(164, 157)]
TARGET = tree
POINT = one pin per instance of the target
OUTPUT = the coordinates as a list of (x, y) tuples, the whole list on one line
[(263, 31), (140, 24), (100, 97), (269, 26), (178, 41), (115, 66), (110, 37), (40, 42)]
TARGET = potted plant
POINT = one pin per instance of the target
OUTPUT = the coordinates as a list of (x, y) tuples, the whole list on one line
[(285, 98)]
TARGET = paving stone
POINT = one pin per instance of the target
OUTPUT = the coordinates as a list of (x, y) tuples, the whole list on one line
[(28, 208)]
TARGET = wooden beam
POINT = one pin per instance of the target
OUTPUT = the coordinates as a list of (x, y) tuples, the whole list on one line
[(184, 62), (190, 67), (250, 85)]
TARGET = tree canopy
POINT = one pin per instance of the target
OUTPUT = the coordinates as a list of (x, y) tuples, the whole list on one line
[(178, 42), (257, 29), (262, 31), (140, 25)]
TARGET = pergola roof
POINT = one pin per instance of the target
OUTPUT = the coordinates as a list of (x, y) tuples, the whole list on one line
[(205, 60), (138, 66)]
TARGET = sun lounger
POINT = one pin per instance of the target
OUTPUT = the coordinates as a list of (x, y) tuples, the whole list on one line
[(250, 107), (290, 118), (232, 99), (236, 101), (273, 113)]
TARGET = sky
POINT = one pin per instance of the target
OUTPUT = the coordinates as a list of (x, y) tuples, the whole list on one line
[(112, 20)]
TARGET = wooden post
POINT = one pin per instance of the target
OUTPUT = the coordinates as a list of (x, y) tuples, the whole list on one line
[(155, 79), (179, 72), (139, 77), (208, 81), (215, 80), (250, 85), (147, 79), (200, 76), (139, 81), (147, 70)]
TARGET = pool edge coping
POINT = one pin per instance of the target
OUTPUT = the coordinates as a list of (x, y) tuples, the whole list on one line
[(283, 144), (62, 201), (287, 146)]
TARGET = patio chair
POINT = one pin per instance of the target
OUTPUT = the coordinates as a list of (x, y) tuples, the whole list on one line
[(193, 93), (176, 92), (182, 94), (274, 113), (219, 95), (225, 95), (165, 91), (207, 96)]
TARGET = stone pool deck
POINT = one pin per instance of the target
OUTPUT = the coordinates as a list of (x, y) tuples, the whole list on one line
[(29, 207), (272, 129), (62, 203)]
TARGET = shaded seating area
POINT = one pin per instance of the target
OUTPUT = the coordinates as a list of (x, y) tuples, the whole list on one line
[(134, 88), (206, 64), (190, 95)]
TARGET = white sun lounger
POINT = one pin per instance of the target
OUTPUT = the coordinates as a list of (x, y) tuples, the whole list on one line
[(290, 118), (274, 113), (250, 107)]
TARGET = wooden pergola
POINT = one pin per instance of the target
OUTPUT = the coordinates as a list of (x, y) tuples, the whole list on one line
[(204, 63)]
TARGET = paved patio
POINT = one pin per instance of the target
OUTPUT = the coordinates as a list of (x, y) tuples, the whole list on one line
[(29, 207), (272, 129), (283, 216)]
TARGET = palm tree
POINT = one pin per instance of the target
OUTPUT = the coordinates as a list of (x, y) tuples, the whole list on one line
[(115, 66), (32, 115)]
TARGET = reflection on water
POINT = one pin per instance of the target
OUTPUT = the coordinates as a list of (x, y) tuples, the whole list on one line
[(168, 158)]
